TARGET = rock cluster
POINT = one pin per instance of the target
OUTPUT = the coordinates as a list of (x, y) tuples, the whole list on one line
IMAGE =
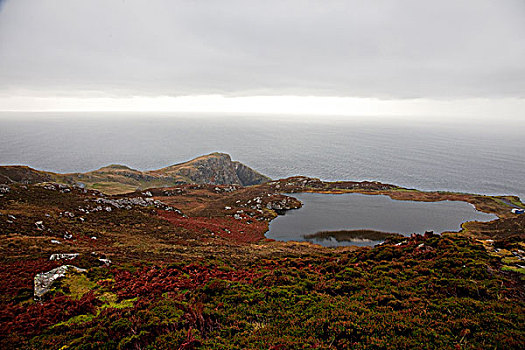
[(4, 189), (173, 192), (285, 203), (224, 189), (63, 256), (61, 187), (127, 204)]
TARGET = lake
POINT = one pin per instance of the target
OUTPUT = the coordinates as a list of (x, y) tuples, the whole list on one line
[(326, 212)]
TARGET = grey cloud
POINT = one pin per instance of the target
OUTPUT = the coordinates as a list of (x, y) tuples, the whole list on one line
[(387, 49)]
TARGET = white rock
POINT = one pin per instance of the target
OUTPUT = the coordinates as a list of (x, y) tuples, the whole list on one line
[(63, 256), (106, 262), (44, 281)]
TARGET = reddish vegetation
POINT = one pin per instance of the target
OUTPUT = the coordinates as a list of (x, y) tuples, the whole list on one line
[(17, 276), (193, 279), (154, 281), (26, 321), (245, 230)]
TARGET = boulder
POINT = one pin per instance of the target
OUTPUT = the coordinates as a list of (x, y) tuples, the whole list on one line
[(106, 262), (44, 281), (63, 256)]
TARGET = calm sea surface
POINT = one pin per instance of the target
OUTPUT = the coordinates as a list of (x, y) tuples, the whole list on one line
[(323, 212), (469, 155)]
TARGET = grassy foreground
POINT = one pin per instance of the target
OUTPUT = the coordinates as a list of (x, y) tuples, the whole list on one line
[(428, 292), (207, 280)]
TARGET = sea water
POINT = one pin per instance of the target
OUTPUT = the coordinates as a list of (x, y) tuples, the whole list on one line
[(480, 156)]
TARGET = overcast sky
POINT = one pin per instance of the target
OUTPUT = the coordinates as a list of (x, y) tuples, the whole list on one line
[(53, 51)]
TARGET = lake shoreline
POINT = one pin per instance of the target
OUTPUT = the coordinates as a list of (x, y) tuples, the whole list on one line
[(360, 216)]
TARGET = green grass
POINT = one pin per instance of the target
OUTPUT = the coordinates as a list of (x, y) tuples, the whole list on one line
[(511, 260), (509, 202), (400, 189), (80, 319), (111, 187), (513, 269)]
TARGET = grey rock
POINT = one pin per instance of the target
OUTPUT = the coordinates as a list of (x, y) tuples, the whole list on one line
[(50, 187), (282, 204), (217, 169), (129, 203), (63, 256), (44, 281), (106, 262)]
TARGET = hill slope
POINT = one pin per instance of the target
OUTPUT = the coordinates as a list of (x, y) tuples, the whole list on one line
[(214, 168), (184, 268)]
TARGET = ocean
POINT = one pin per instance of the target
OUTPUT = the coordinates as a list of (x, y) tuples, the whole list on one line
[(464, 155)]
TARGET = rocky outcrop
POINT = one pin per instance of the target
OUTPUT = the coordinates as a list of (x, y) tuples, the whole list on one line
[(247, 176), (4, 189), (23, 174), (44, 281), (63, 256), (214, 168), (283, 203)]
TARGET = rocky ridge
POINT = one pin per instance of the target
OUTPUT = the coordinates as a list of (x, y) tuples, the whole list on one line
[(215, 168)]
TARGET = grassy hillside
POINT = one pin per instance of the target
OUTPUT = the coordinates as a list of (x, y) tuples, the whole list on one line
[(179, 270), (214, 168)]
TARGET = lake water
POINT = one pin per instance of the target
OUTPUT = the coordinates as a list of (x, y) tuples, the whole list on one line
[(480, 156), (324, 212)]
